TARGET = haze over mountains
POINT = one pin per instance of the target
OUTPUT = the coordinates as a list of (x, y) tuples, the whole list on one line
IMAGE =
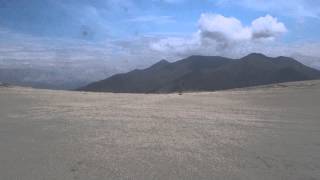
[(57, 74), (206, 73)]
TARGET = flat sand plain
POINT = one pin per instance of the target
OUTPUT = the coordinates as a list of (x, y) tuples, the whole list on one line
[(262, 133)]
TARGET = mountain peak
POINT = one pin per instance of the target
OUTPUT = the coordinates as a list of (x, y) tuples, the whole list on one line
[(161, 63), (195, 56), (254, 55)]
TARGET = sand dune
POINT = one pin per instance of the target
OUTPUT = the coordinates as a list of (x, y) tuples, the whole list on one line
[(267, 132)]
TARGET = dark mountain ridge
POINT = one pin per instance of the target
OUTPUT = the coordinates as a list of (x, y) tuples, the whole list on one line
[(206, 73)]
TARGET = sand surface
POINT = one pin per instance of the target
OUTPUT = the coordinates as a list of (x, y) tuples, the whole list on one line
[(262, 133)]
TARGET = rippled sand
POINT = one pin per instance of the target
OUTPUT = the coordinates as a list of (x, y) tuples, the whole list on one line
[(268, 132)]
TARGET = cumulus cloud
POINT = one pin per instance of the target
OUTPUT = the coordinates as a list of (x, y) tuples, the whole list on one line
[(220, 33), (229, 29), (221, 28), (267, 27)]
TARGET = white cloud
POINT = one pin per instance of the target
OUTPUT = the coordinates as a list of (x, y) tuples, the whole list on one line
[(229, 29), (213, 25), (219, 33), (267, 27), (222, 29)]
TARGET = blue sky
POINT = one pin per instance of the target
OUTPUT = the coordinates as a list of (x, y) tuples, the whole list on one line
[(144, 31), (105, 19)]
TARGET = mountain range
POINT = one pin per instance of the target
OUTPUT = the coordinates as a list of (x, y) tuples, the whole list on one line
[(206, 73)]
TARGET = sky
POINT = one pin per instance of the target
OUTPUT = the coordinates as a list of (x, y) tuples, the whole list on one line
[(136, 33)]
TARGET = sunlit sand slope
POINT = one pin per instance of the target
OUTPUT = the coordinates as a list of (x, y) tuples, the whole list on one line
[(269, 132)]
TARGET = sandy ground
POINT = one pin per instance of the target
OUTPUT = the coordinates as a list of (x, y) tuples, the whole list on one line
[(265, 133)]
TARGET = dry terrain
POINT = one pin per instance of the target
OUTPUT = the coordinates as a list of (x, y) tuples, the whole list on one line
[(266, 133)]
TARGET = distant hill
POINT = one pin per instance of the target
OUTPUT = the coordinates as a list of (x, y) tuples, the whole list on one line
[(206, 73)]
